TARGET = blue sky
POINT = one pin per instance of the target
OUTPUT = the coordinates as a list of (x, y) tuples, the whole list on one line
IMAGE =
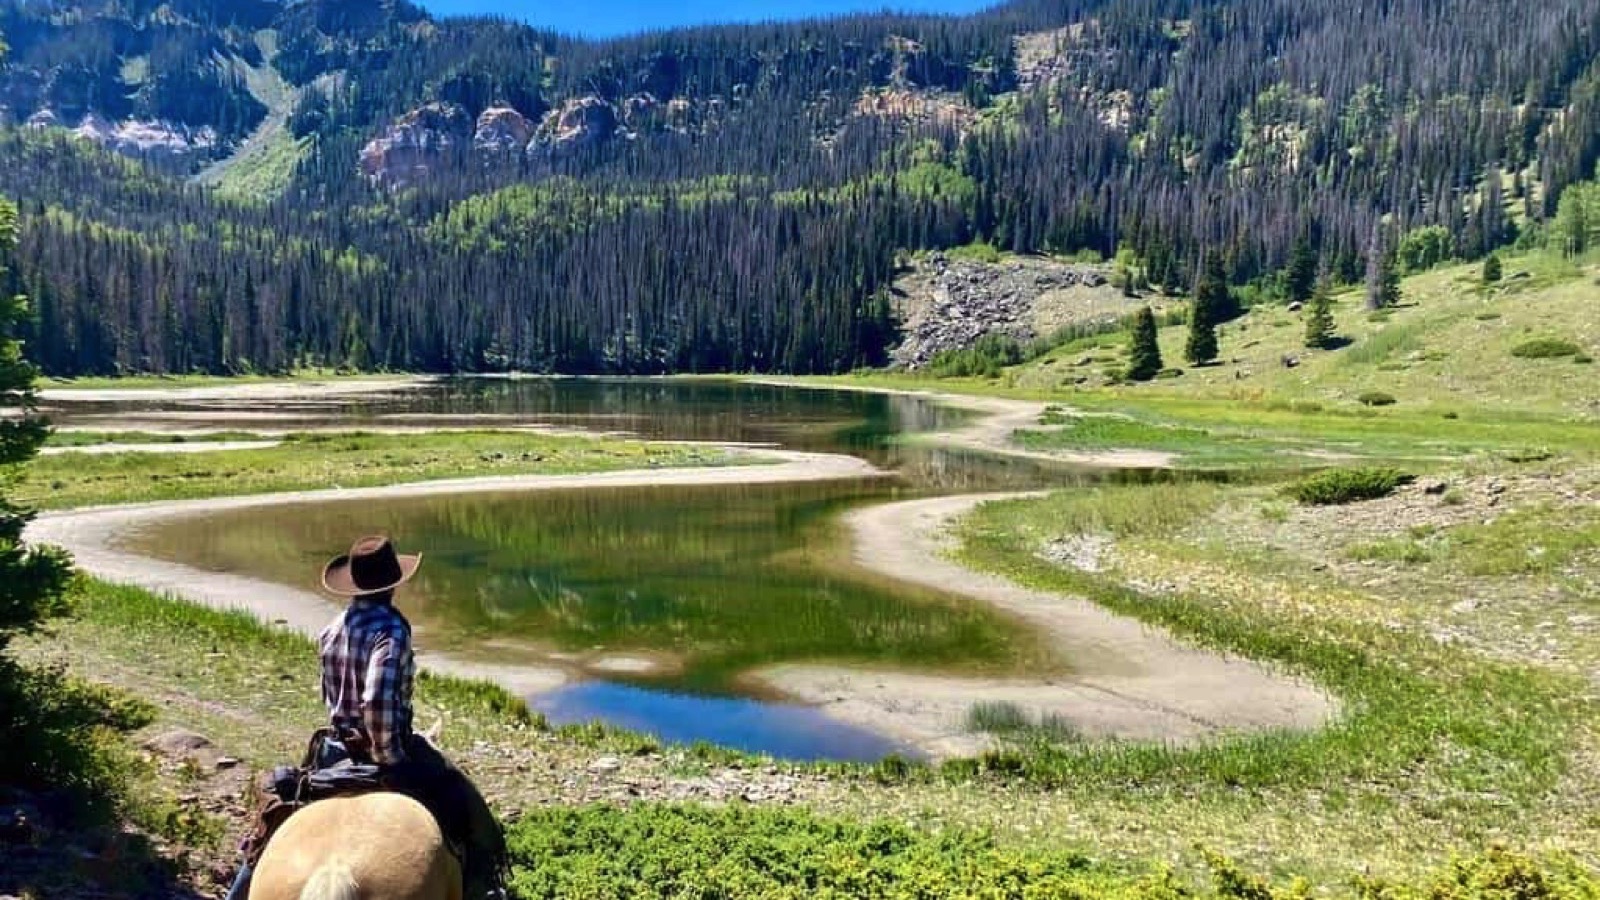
[(605, 18)]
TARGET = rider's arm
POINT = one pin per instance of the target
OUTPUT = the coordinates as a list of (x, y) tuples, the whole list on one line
[(382, 705)]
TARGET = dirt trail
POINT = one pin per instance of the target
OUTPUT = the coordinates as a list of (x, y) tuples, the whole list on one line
[(1126, 681), (259, 391)]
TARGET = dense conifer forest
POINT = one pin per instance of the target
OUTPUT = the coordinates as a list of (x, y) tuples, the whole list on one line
[(735, 198)]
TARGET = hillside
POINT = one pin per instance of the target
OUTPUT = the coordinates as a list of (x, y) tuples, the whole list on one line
[(1449, 346), (328, 182)]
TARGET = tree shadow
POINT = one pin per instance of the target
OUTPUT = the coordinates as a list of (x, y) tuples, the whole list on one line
[(1337, 342), (43, 858)]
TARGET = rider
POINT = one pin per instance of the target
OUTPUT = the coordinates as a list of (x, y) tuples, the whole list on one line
[(368, 673)]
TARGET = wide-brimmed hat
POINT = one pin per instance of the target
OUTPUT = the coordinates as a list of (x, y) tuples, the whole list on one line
[(371, 567)]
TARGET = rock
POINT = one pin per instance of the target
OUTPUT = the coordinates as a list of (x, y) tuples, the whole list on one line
[(948, 303), (226, 762), (1291, 362), (578, 124), (1435, 488), (1466, 606), (177, 743), (605, 765), (416, 144), (502, 131), (44, 118)]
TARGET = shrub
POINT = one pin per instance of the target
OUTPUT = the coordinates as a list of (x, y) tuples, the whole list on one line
[(977, 251), (1376, 398), (986, 358), (1492, 270), (1546, 348), (652, 851), (1336, 487)]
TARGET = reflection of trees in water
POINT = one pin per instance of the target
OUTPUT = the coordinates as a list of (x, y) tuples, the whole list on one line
[(727, 578)]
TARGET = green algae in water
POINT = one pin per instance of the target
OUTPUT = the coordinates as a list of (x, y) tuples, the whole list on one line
[(715, 581)]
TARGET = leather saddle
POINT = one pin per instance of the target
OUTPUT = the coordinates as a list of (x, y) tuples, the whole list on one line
[(330, 768)]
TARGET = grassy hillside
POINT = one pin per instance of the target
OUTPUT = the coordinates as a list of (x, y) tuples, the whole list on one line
[(1448, 346)]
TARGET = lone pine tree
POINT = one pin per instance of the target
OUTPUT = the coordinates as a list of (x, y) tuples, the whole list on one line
[(1144, 352), (1319, 318)]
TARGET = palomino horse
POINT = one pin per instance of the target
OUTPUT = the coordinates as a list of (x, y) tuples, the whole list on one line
[(371, 847)]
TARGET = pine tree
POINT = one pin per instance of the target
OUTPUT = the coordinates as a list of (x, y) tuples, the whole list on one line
[(1300, 278), (1492, 270), (1144, 351), (31, 580), (1319, 318), (1211, 299), (1383, 274)]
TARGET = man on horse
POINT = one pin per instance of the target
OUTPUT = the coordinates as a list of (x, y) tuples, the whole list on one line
[(368, 675)]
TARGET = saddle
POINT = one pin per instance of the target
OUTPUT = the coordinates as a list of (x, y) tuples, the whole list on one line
[(333, 766)]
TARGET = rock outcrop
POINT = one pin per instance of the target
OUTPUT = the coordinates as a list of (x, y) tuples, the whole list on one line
[(576, 125), (502, 131), (947, 303), (143, 138), (417, 143)]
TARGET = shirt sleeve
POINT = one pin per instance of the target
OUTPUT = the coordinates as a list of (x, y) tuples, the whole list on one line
[(384, 701)]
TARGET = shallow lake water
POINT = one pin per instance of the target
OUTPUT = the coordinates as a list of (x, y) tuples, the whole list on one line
[(659, 602)]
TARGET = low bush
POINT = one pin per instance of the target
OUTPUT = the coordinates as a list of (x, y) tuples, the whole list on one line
[(653, 851), (1546, 348), (986, 358), (1336, 487), (1376, 398)]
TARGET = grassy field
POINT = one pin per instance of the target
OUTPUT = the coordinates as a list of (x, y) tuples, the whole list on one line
[(1466, 722), (319, 461)]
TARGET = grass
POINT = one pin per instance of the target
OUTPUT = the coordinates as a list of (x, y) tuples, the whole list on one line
[(69, 439), (168, 382), (1434, 747), (1011, 722), (321, 461)]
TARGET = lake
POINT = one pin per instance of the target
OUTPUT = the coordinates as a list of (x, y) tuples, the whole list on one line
[(656, 601)]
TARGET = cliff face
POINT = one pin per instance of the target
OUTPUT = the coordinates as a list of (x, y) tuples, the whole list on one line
[(418, 143), (152, 139)]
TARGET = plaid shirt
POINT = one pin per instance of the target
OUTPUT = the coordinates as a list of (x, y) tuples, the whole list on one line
[(367, 676)]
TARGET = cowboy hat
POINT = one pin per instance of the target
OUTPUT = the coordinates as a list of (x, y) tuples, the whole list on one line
[(371, 567)]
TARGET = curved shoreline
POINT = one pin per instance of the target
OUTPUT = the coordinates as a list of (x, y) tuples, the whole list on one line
[(90, 534), (999, 418), (1128, 681)]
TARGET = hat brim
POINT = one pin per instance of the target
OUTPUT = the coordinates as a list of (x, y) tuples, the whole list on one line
[(336, 576)]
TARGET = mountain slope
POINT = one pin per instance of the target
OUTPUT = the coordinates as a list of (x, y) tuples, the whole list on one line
[(474, 194)]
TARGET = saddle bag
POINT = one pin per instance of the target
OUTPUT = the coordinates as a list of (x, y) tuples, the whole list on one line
[(326, 771)]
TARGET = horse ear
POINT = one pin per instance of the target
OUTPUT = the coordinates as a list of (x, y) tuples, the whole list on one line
[(433, 732)]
